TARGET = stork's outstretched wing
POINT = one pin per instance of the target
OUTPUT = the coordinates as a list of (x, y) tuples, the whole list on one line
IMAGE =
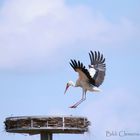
[(97, 63), (83, 72)]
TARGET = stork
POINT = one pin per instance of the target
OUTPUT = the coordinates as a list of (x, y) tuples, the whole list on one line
[(89, 79)]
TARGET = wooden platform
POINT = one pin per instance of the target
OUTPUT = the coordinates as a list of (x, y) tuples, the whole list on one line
[(47, 124)]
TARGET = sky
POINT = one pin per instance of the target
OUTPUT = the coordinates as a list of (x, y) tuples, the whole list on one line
[(37, 40)]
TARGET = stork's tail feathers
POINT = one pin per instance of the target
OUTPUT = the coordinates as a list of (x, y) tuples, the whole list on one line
[(96, 89)]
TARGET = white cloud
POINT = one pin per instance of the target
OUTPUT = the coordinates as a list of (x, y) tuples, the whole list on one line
[(32, 30)]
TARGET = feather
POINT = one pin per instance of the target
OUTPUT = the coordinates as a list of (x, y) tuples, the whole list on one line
[(98, 64)]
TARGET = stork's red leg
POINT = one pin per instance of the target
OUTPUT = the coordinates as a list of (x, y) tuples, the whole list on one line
[(80, 101)]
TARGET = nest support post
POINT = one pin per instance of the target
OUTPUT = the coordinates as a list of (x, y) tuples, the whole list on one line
[(46, 136)]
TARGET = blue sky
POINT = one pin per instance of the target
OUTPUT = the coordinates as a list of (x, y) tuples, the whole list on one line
[(39, 37)]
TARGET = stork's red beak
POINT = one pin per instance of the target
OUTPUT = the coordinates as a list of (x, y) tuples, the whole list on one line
[(67, 86)]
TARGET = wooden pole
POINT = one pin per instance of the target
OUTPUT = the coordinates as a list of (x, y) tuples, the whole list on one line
[(46, 136)]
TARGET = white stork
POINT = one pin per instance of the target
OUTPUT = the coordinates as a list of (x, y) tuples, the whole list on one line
[(91, 79)]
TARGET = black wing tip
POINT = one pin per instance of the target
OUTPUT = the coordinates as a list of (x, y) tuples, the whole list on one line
[(96, 57), (94, 53), (76, 64)]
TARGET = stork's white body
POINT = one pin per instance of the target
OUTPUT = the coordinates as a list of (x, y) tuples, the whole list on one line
[(86, 86)]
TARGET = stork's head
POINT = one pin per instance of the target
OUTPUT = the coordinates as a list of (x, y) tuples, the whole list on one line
[(70, 83)]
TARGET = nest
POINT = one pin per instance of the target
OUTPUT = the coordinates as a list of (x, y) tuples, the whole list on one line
[(49, 124)]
